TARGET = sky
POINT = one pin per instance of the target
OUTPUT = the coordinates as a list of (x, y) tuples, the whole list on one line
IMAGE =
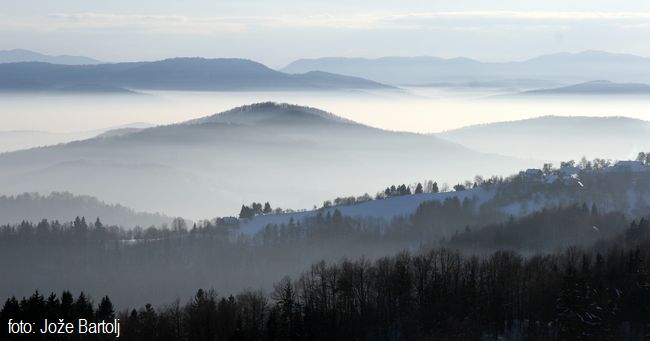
[(276, 32)]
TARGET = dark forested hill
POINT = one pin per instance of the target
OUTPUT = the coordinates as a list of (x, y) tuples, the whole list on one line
[(527, 213), (599, 289)]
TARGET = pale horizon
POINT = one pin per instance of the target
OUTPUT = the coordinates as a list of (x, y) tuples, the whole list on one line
[(277, 33)]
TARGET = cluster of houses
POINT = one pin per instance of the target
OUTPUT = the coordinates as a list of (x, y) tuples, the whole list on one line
[(569, 173)]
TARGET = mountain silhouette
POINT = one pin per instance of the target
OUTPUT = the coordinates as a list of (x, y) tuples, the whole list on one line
[(198, 74), (559, 67), (21, 55), (599, 87)]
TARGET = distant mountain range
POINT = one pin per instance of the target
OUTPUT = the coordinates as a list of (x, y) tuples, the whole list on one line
[(600, 87), (13, 140), (558, 138), (64, 207), (20, 55), (26, 71), (170, 74), (289, 155), (560, 67)]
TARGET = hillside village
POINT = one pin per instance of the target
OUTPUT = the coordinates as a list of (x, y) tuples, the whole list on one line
[(569, 172), (387, 208)]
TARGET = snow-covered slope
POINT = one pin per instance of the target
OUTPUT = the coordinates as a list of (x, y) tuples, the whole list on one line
[(385, 209), (623, 187)]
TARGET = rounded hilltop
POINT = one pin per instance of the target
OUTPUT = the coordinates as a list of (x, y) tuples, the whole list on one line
[(269, 112)]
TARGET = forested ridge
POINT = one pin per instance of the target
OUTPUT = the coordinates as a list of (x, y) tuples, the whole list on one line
[(595, 293), (89, 255), (464, 268)]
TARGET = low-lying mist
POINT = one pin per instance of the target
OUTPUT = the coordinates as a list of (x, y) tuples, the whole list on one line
[(418, 109), (219, 167)]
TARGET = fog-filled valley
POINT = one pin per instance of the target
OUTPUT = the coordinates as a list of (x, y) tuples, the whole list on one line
[(217, 163), (218, 166), (221, 161), (363, 199), (424, 109)]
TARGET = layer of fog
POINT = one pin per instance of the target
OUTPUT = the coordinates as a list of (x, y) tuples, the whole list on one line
[(293, 160), (424, 110), (218, 186)]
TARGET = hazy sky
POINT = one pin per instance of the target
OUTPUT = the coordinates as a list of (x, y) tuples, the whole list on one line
[(277, 32)]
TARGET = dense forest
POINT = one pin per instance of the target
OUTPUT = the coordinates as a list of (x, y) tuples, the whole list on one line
[(209, 254), (89, 255), (595, 293), (542, 231), (533, 259)]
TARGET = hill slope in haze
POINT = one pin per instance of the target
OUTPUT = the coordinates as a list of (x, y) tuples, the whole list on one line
[(558, 138), (13, 140), (594, 88), (21, 55), (65, 207), (290, 155)]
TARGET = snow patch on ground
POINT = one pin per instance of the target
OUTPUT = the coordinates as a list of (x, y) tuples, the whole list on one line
[(385, 209)]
